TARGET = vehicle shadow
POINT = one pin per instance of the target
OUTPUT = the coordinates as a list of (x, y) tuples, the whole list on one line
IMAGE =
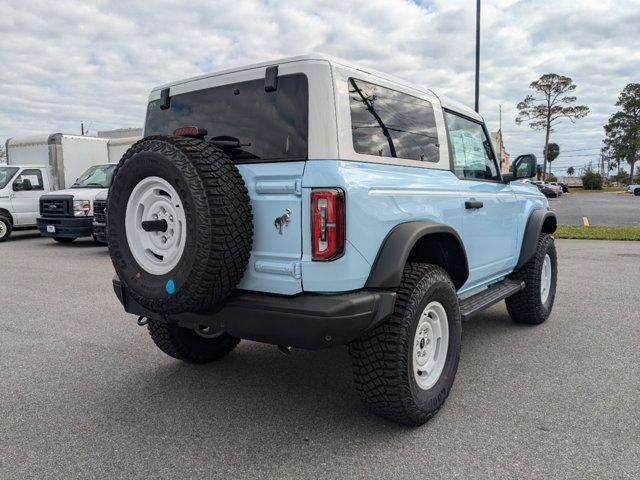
[(258, 389), (78, 243), (18, 235)]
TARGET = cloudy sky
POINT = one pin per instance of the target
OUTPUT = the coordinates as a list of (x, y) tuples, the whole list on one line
[(64, 62)]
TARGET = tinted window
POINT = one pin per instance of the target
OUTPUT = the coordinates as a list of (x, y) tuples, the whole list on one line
[(387, 123), (269, 125), (34, 176), (472, 157)]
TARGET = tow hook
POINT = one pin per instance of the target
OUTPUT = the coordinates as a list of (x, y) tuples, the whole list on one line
[(142, 321), (285, 349)]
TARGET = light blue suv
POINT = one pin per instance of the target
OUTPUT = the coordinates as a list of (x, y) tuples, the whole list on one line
[(310, 203)]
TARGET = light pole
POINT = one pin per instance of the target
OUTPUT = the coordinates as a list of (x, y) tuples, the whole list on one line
[(477, 55)]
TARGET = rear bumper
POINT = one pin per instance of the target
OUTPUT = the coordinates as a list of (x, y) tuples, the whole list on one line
[(69, 227), (307, 320)]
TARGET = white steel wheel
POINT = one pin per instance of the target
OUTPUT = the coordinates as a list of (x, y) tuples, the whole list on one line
[(430, 345), (3, 229), (545, 278), (155, 199)]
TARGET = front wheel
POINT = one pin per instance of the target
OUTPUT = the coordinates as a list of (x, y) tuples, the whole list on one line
[(404, 368), (533, 304), (5, 228), (636, 192), (195, 346)]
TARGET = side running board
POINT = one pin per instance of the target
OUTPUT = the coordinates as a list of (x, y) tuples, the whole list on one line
[(493, 294)]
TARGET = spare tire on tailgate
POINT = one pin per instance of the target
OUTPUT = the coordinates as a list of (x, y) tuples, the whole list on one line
[(179, 224)]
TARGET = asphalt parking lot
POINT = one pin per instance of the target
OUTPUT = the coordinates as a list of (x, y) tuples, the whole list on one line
[(85, 393), (604, 208)]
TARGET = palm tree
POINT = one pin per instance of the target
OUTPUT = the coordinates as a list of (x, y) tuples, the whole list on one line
[(571, 171)]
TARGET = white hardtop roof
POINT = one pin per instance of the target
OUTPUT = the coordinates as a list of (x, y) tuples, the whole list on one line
[(123, 141), (446, 102), (43, 138)]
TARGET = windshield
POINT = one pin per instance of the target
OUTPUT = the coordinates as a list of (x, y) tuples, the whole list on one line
[(99, 176), (6, 174)]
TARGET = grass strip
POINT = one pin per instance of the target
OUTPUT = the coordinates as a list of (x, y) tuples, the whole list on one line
[(599, 232)]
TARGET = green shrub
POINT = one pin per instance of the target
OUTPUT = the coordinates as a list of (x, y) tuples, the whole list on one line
[(552, 178), (592, 181)]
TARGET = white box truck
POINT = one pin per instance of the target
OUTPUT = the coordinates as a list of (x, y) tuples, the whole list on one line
[(68, 214), (53, 163)]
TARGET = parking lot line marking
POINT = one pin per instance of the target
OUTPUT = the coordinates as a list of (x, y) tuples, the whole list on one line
[(585, 221)]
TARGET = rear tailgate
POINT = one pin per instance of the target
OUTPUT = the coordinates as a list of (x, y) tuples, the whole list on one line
[(275, 190)]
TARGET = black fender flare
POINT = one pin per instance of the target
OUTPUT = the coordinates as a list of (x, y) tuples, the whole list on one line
[(388, 267), (539, 221)]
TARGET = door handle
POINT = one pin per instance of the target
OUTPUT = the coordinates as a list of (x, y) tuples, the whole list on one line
[(473, 204)]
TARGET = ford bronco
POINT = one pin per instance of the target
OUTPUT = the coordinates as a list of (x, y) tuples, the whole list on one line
[(310, 203)]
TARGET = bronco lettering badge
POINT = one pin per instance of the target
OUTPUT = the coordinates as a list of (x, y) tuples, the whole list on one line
[(282, 221)]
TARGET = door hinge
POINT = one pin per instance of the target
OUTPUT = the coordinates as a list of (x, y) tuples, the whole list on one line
[(292, 269), (293, 186)]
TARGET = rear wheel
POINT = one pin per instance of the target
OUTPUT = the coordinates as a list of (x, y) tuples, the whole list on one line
[(195, 346), (404, 368), (5, 228), (64, 239), (636, 192), (533, 304)]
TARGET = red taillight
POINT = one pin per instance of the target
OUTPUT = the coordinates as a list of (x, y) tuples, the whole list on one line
[(327, 223), (193, 132)]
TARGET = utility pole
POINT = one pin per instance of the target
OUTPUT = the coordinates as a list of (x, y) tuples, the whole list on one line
[(82, 128), (477, 55)]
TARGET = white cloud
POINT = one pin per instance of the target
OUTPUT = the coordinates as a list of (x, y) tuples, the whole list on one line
[(65, 62)]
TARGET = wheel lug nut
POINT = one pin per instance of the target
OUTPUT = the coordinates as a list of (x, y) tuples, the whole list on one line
[(164, 239)]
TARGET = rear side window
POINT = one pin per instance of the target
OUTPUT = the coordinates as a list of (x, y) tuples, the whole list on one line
[(388, 123), (269, 126)]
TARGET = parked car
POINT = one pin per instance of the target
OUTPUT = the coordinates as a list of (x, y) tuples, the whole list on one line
[(635, 189), (548, 190), (310, 203), (563, 186)]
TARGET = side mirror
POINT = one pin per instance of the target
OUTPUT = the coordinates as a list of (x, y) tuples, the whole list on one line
[(24, 185), (524, 166)]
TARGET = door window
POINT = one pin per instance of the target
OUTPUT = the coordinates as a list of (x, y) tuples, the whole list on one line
[(388, 123), (472, 155), (34, 176)]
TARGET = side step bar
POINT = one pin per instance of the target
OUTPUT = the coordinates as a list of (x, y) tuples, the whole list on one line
[(493, 294)]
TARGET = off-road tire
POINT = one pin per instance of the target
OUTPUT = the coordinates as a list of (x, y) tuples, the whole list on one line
[(382, 358), (636, 192), (219, 223), (185, 344), (526, 306), (7, 227), (64, 239)]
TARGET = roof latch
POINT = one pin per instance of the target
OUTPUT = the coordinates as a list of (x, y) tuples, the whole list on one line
[(271, 79)]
